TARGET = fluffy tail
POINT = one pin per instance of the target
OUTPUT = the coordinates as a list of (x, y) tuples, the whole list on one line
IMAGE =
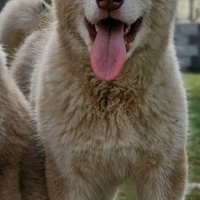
[(19, 18)]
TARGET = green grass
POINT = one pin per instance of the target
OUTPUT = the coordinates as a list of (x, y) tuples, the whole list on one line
[(127, 192), (194, 195), (48, 1), (192, 85)]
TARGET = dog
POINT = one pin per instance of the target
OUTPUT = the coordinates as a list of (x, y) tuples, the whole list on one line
[(108, 100), (21, 158), (17, 22)]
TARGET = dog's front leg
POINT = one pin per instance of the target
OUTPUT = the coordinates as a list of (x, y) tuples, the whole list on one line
[(79, 183), (162, 179), (9, 182)]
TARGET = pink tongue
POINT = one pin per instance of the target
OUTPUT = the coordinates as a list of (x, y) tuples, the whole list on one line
[(108, 51)]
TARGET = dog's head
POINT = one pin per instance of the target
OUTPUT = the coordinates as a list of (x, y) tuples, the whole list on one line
[(112, 31)]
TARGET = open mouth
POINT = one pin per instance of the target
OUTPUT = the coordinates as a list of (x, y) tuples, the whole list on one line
[(130, 31), (111, 40)]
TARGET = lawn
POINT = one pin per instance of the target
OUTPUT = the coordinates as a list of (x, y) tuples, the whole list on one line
[(192, 84)]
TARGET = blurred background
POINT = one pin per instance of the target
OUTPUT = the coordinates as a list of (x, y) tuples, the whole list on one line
[(187, 40)]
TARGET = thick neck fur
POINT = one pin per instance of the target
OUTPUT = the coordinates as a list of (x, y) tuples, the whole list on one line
[(124, 94), (134, 81)]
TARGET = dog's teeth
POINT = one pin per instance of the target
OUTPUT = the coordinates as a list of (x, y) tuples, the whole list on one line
[(127, 29), (96, 28)]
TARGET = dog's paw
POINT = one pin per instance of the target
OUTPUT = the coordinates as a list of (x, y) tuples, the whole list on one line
[(2, 57)]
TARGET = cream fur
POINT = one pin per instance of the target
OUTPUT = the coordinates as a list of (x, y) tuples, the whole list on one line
[(98, 134), (18, 19), (21, 158), (24, 61)]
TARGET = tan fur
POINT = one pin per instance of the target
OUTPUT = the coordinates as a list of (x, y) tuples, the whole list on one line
[(18, 19), (97, 134), (10, 150), (21, 158), (24, 61)]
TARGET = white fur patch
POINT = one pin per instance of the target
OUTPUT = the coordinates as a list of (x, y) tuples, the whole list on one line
[(128, 13), (2, 57)]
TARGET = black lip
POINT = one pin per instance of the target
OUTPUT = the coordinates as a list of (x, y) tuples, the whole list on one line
[(91, 30)]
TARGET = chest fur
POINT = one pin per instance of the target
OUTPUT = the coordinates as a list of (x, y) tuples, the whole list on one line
[(103, 122)]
